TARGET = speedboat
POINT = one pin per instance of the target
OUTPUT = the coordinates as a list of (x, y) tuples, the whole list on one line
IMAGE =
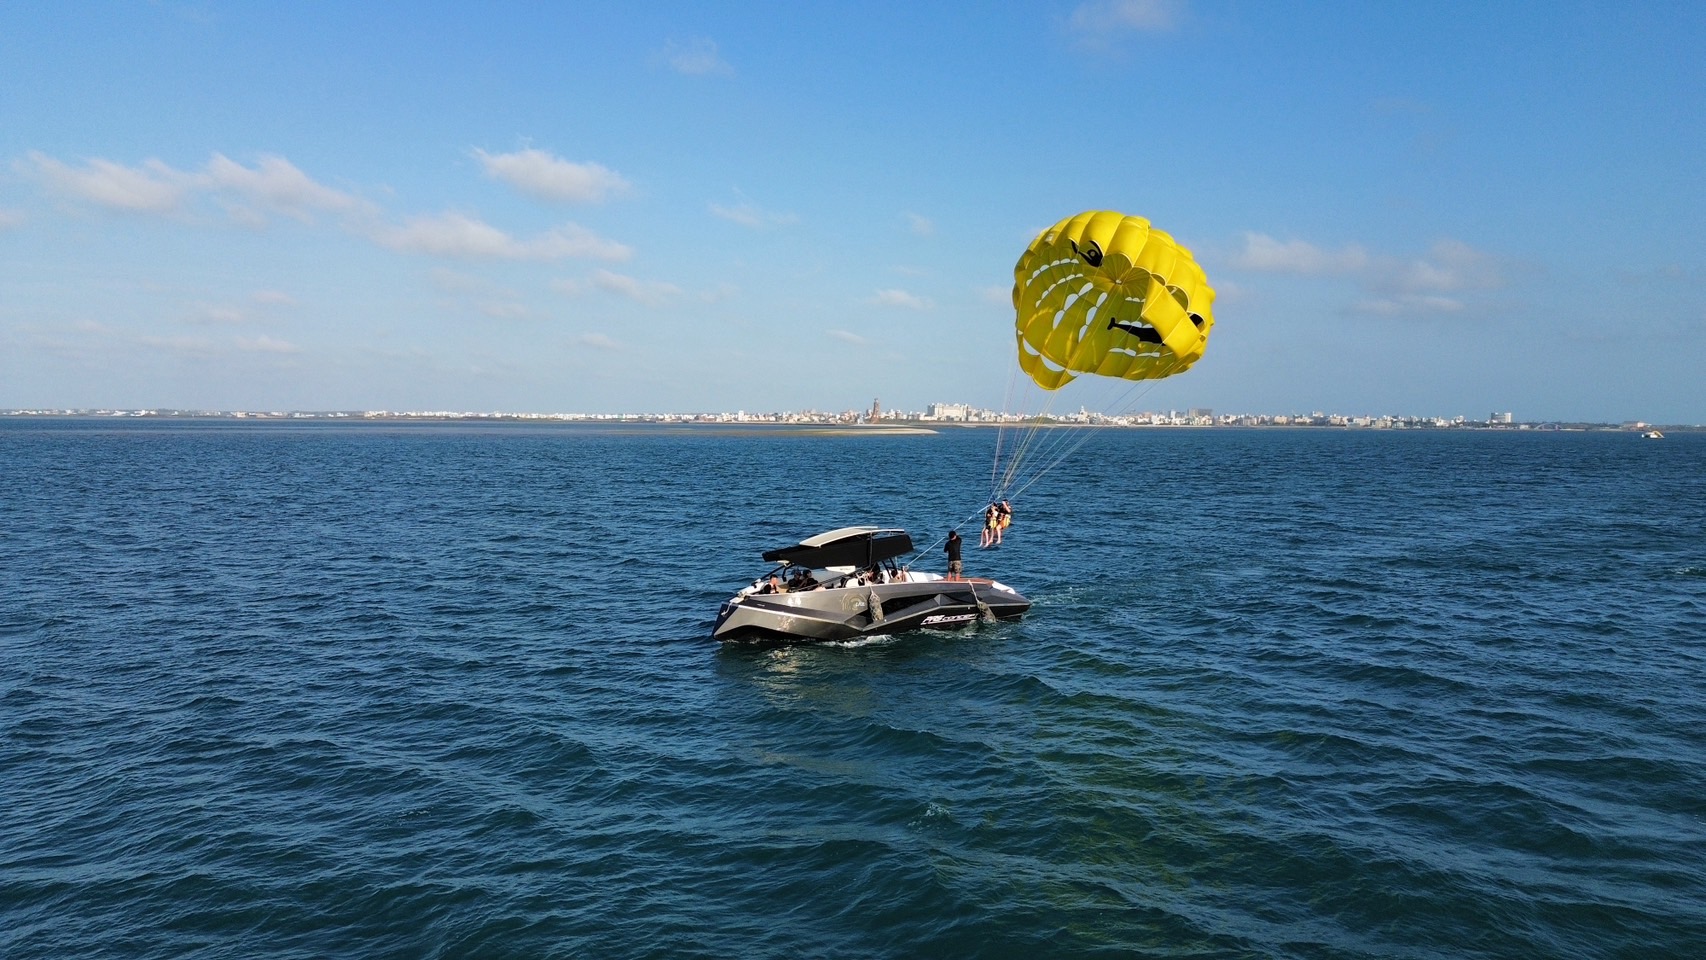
[(1652, 435), (845, 584)]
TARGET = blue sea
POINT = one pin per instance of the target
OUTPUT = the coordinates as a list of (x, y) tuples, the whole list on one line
[(405, 690)]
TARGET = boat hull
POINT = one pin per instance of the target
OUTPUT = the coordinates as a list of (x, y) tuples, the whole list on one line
[(846, 613)]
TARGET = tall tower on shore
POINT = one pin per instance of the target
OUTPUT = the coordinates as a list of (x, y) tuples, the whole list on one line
[(876, 410)]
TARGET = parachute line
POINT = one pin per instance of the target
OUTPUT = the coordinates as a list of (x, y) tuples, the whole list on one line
[(1043, 447), (1103, 296)]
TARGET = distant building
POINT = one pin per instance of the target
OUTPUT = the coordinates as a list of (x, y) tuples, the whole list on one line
[(1496, 417), (949, 411), (876, 410)]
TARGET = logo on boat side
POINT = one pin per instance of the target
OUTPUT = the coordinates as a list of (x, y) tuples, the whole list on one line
[(947, 618)]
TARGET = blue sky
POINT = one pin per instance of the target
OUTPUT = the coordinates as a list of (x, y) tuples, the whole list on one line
[(1405, 208)]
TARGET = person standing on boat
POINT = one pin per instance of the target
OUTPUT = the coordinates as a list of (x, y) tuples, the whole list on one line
[(955, 567)]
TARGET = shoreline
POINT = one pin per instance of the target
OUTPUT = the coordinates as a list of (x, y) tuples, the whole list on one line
[(670, 424)]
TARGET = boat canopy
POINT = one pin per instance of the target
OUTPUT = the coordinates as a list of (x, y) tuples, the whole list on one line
[(846, 547)]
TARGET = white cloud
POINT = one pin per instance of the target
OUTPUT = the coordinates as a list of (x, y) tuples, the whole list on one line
[(574, 240), (451, 235), (549, 177), (597, 341), (748, 214), (457, 235), (277, 185), (1264, 253), (505, 310), (697, 57), (198, 347), (847, 336), (11, 218), (465, 292), (265, 344), (650, 292), (1379, 307), (719, 293), (153, 187), (900, 298), (277, 298), (1452, 265), (1002, 295), (187, 346), (1095, 20), (219, 314), (1407, 305), (273, 184), (1393, 286), (920, 225), (1442, 304), (1423, 275)]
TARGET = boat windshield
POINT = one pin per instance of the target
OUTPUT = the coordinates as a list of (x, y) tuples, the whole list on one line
[(793, 577)]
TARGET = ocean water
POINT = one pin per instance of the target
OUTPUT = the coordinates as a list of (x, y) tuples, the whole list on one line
[(436, 690)]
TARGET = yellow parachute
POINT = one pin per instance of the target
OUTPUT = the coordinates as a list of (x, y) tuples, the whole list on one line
[(1108, 294)]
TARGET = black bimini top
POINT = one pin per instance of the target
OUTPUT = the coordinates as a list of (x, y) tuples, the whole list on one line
[(846, 547)]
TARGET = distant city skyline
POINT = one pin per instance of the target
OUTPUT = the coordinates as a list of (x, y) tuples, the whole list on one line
[(597, 206), (957, 414)]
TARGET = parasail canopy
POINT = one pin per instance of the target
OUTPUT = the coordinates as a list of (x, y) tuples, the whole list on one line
[(1106, 294)]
